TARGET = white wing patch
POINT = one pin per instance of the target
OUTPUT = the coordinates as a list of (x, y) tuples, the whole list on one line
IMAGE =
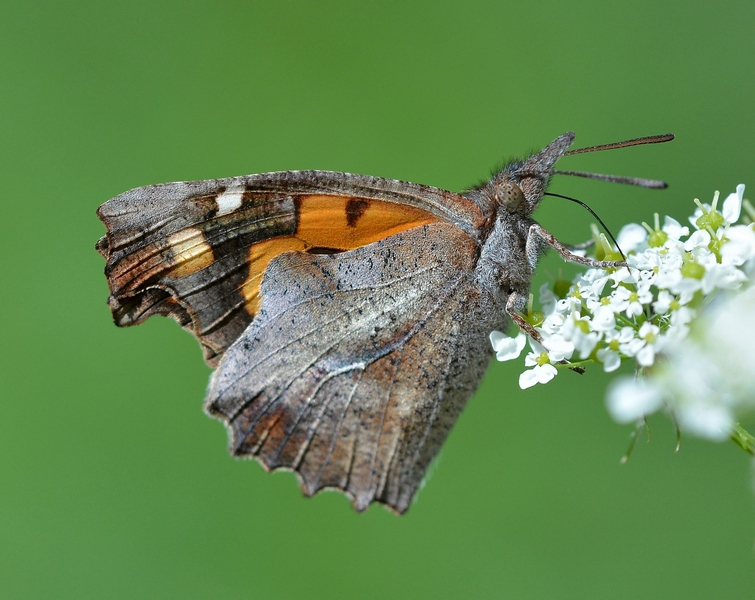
[(229, 201)]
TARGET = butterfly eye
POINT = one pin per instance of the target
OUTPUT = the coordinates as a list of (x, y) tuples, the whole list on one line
[(510, 196)]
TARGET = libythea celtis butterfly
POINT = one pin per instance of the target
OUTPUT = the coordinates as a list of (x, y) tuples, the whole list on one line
[(347, 316)]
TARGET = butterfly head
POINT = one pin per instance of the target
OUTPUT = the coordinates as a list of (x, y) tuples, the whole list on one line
[(521, 184)]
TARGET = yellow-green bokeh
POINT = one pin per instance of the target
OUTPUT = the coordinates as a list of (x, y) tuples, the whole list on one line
[(113, 484)]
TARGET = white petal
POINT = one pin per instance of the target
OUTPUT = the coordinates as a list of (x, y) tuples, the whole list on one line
[(604, 319), (646, 356), (647, 328), (496, 337), (674, 228), (631, 236), (632, 347), (634, 309), (558, 348), (621, 275), (586, 344), (610, 359), (663, 304), (741, 244), (528, 379), (547, 299), (596, 287), (733, 204), (629, 400), (507, 348), (700, 238), (545, 373)]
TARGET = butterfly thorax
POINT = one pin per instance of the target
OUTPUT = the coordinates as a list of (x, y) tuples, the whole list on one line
[(503, 266)]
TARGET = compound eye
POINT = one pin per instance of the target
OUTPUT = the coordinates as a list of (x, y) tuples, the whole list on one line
[(510, 196)]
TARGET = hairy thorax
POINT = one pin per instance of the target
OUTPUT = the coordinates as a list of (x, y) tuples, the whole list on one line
[(503, 266)]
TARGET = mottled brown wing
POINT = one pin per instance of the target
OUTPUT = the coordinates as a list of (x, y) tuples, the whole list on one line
[(359, 363), (196, 251)]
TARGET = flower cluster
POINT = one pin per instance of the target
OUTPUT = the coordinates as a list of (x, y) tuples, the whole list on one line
[(694, 355)]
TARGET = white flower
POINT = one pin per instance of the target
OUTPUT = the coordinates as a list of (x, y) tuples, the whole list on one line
[(642, 348), (706, 376), (629, 400), (552, 323), (710, 421), (610, 358), (568, 304), (699, 239), (558, 348), (639, 298), (507, 348), (732, 207), (725, 277), (682, 315), (649, 334), (632, 237), (650, 259), (622, 275), (663, 304), (541, 371), (619, 299), (538, 374), (578, 330), (740, 245), (674, 229), (604, 319)]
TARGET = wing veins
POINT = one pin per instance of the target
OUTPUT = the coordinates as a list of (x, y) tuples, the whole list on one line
[(336, 431), (375, 493), (357, 289), (342, 314), (331, 375), (385, 411), (307, 333), (142, 233)]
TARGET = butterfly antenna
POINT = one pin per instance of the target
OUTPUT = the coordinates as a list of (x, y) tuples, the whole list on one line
[(594, 214), (646, 183), (650, 139)]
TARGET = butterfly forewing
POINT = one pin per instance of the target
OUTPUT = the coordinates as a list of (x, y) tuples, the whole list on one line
[(197, 251)]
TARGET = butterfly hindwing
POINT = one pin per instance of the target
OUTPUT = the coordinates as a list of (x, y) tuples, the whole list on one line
[(197, 251), (358, 364)]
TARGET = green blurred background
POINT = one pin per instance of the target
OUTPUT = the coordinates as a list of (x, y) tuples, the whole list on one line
[(114, 484)]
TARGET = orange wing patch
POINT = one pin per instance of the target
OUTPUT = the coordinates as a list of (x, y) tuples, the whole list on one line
[(335, 223), (346, 223), (259, 255)]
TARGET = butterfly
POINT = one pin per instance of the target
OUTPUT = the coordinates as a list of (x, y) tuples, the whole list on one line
[(346, 316)]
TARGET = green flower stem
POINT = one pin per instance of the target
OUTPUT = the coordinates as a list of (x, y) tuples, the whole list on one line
[(744, 439), (626, 321)]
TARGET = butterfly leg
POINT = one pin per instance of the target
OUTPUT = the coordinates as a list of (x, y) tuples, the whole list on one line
[(582, 246), (514, 305), (537, 235)]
